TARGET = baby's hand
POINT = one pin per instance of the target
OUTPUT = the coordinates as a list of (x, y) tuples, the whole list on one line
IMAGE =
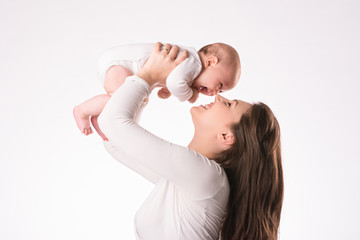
[(164, 93), (195, 95)]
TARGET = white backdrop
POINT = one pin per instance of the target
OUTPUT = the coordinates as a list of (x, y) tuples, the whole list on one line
[(299, 57)]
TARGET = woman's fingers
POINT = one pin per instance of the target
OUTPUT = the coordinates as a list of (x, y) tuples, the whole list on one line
[(181, 57), (173, 52), (163, 59), (166, 49), (157, 47)]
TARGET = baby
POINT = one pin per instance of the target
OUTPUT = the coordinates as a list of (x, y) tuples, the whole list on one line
[(213, 69)]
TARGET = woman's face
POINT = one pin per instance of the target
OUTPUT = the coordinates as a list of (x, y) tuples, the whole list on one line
[(219, 115)]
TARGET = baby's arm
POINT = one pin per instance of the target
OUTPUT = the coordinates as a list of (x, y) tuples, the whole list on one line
[(181, 78), (164, 93), (195, 95)]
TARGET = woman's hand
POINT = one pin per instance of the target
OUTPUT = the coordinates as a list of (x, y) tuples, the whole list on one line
[(161, 62)]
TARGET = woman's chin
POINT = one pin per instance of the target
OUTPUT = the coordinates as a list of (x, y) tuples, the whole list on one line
[(195, 110), (192, 110)]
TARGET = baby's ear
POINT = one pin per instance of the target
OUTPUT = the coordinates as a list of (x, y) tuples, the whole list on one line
[(212, 60)]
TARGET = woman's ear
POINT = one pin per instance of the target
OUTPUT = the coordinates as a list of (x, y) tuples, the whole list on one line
[(226, 138), (212, 60)]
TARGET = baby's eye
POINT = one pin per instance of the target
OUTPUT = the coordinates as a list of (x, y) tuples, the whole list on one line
[(228, 104)]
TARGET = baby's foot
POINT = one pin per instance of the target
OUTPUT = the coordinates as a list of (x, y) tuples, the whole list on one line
[(94, 121), (82, 121)]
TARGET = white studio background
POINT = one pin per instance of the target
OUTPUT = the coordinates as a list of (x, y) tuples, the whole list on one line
[(299, 57)]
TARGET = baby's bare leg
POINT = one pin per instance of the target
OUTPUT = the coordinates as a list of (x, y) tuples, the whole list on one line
[(114, 78)]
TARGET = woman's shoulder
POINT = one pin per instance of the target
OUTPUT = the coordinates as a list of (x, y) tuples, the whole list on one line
[(204, 176)]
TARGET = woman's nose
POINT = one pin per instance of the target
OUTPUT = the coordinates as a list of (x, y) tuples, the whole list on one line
[(218, 98)]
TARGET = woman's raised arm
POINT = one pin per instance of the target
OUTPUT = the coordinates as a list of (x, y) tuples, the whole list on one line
[(190, 171)]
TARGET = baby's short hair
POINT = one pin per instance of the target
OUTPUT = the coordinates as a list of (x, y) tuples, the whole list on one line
[(226, 54)]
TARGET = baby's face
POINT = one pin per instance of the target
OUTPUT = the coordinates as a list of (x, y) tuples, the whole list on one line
[(216, 79)]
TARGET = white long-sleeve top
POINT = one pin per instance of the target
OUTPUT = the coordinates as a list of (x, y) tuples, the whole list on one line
[(191, 191), (133, 57)]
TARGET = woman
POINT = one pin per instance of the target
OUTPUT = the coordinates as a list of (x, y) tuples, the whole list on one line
[(227, 183)]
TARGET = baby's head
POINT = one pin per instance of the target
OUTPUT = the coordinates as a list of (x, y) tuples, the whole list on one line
[(221, 69)]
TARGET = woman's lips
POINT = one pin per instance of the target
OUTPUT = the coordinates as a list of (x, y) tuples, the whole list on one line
[(207, 106)]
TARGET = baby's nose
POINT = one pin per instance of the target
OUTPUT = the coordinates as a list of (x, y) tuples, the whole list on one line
[(215, 92)]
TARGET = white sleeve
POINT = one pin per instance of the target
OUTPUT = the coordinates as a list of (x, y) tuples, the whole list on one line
[(181, 78), (138, 167), (191, 172), (122, 158)]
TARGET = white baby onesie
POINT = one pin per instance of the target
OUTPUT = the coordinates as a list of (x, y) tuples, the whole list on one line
[(133, 57)]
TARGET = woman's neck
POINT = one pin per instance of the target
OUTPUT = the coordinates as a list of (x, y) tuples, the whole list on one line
[(202, 146)]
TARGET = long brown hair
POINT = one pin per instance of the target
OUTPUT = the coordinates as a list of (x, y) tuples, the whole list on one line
[(254, 169)]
